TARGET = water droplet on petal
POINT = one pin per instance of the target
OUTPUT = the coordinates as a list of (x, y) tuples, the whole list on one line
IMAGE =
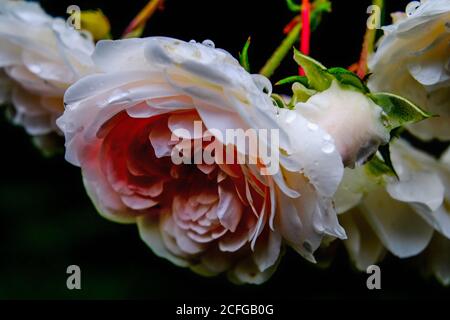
[(290, 117), (209, 43), (35, 68), (328, 148), (192, 41), (312, 126)]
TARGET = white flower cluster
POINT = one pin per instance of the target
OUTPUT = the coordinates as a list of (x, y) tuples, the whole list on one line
[(120, 103)]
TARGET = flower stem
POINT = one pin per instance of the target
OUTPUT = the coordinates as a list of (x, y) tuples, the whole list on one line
[(280, 53), (293, 6), (368, 45), (306, 31), (313, 13), (143, 16)]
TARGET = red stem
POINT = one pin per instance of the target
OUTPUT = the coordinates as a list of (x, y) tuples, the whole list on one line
[(305, 36), (288, 28)]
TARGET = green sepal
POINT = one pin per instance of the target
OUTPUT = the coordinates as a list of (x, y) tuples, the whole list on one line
[(300, 94), (399, 111), (243, 56), (385, 153), (318, 77), (278, 101), (348, 78), (377, 167), (395, 133), (302, 79)]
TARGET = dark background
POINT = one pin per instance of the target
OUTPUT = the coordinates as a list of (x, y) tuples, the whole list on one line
[(48, 223)]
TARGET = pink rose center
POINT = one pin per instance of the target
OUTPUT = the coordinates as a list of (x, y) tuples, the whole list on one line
[(197, 203)]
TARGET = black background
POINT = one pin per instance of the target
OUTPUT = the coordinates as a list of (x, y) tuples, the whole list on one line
[(48, 223)]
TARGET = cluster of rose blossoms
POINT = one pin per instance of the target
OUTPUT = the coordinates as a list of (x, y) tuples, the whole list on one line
[(119, 102)]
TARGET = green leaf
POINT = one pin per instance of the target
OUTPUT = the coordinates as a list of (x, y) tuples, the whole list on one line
[(385, 153), (395, 133), (300, 94), (293, 6), (399, 111), (347, 77), (377, 167), (302, 79), (320, 6), (318, 76), (279, 101), (243, 56)]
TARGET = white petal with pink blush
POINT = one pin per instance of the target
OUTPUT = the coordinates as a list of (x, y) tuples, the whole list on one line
[(122, 126)]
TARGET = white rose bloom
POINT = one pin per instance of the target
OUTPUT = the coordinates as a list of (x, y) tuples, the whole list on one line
[(438, 252), (214, 218), (398, 215), (5, 88), (353, 120), (413, 60), (42, 57), (437, 258)]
